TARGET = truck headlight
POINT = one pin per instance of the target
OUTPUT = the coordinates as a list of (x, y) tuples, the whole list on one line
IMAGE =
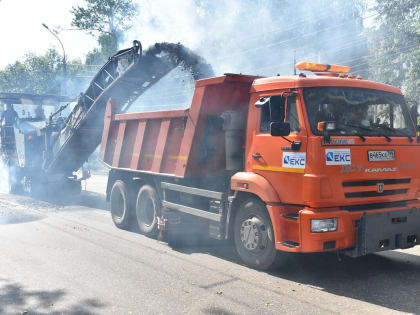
[(324, 225)]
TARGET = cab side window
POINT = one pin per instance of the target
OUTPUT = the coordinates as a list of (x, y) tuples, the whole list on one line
[(277, 112), (292, 114)]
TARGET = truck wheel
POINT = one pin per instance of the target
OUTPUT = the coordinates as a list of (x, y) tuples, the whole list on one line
[(147, 209), (253, 235), (120, 210)]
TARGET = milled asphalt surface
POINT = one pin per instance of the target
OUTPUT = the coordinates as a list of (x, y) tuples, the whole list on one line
[(70, 259)]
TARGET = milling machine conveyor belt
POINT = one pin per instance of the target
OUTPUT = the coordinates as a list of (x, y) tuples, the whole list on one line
[(125, 76)]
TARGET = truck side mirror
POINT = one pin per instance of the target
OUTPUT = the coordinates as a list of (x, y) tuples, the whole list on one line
[(261, 102), (279, 129)]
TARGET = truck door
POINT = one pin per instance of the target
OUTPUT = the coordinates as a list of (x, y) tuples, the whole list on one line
[(281, 160)]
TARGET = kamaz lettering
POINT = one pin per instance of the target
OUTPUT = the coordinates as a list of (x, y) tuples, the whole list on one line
[(379, 170)]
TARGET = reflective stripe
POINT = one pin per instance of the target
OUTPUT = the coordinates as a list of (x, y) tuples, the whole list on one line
[(170, 157), (177, 157), (278, 169)]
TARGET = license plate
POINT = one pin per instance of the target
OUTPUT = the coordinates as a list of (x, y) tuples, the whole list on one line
[(384, 155)]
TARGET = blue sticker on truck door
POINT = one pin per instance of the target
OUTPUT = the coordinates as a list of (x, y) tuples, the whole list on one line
[(338, 156)]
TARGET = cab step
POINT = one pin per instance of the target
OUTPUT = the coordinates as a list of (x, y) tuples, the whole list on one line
[(291, 216), (290, 244)]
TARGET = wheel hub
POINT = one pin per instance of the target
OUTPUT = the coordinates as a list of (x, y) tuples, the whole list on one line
[(253, 234)]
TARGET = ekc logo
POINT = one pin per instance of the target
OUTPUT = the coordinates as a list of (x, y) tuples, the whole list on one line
[(294, 159), (338, 156)]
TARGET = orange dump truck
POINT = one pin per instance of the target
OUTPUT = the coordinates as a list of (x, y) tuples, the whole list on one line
[(324, 162)]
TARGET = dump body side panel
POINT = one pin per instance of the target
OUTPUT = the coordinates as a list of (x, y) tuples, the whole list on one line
[(148, 143), (179, 143)]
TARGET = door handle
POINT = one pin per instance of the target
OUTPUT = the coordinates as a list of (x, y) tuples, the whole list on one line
[(256, 156)]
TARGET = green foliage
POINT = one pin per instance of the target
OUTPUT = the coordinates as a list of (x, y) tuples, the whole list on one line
[(108, 18), (99, 56), (43, 75), (395, 45), (35, 74)]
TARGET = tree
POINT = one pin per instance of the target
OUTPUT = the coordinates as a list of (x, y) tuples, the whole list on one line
[(98, 56), (42, 75), (105, 19), (395, 48), (108, 19), (35, 74)]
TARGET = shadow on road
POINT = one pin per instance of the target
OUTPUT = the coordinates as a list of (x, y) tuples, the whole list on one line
[(15, 299)]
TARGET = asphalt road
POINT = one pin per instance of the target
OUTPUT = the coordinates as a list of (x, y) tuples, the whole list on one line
[(68, 258)]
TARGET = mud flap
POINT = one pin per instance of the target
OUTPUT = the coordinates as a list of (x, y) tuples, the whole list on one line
[(382, 231)]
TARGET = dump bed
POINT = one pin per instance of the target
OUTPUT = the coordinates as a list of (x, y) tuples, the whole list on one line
[(179, 143)]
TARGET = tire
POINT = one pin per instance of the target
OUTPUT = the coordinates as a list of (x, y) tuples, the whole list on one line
[(120, 205), (148, 207), (259, 251)]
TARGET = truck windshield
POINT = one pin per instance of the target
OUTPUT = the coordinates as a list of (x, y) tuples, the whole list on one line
[(358, 111)]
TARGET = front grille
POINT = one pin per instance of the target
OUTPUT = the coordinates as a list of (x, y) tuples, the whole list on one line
[(375, 206), (361, 194), (374, 182)]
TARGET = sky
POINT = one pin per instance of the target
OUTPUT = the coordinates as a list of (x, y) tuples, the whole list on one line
[(22, 31)]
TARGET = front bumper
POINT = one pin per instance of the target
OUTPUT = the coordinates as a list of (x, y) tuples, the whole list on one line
[(377, 232), (358, 233)]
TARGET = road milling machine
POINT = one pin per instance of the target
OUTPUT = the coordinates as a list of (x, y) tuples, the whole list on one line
[(50, 141)]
